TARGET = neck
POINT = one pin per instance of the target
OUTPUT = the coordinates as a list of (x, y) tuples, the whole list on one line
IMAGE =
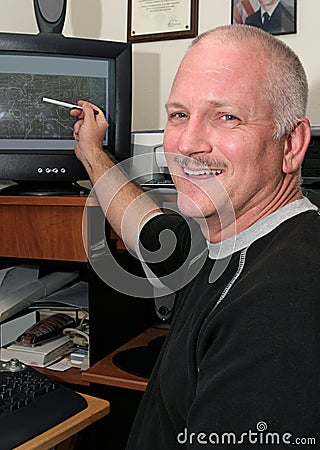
[(214, 232)]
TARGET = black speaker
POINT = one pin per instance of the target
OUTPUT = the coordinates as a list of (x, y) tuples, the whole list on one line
[(50, 15)]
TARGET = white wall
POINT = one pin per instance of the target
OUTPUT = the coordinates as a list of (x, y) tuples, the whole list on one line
[(155, 63)]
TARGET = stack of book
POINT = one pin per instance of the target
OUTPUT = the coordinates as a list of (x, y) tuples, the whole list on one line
[(70, 301), (39, 355)]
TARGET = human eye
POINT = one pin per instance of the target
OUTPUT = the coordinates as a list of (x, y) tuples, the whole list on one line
[(177, 116), (180, 115), (227, 120), (229, 117)]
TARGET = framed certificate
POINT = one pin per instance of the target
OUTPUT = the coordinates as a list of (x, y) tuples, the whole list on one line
[(154, 20)]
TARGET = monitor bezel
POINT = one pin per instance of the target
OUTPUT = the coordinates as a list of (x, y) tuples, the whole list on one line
[(59, 45)]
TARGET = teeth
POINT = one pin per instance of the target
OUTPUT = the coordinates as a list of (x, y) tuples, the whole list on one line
[(202, 172)]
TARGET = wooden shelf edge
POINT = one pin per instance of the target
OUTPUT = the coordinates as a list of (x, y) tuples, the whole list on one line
[(106, 372), (96, 409), (116, 381)]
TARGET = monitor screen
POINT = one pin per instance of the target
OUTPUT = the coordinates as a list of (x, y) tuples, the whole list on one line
[(36, 137), (26, 122)]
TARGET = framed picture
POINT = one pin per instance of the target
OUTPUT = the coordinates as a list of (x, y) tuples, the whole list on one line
[(275, 16), (155, 20)]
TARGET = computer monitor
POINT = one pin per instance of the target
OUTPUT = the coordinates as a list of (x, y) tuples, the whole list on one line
[(36, 138)]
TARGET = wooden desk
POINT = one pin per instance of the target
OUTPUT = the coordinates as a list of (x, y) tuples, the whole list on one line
[(42, 227), (51, 230), (105, 372), (72, 375), (95, 410)]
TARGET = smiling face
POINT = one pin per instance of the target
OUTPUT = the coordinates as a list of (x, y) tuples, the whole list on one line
[(220, 133)]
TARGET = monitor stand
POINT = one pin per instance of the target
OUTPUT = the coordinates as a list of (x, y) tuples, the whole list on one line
[(45, 189)]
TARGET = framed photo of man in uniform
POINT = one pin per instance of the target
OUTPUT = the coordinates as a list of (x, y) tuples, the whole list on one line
[(273, 16)]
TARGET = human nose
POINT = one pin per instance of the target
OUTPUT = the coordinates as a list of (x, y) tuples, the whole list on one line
[(193, 139)]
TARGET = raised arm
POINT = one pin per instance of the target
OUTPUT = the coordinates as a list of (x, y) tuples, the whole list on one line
[(124, 203)]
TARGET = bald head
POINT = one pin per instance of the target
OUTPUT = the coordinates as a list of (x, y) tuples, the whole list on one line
[(285, 82)]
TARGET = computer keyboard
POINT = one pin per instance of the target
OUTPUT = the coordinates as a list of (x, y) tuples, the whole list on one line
[(31, 403)]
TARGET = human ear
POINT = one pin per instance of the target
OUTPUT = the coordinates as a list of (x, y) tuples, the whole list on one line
[(296, 145)]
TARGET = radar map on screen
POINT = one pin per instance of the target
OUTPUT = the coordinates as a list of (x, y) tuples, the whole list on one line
[(23, 114)]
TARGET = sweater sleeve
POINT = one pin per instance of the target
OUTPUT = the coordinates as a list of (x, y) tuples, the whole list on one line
[(167, 244)]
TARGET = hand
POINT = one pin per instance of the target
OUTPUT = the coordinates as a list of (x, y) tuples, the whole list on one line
[(89, 130)]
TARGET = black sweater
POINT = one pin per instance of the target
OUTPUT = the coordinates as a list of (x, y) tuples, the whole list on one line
[(241, 364)]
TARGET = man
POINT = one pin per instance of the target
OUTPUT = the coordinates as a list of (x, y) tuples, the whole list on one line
[(273, 16), (241, 362)]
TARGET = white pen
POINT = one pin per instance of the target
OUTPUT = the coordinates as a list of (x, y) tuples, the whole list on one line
[(65, 104)]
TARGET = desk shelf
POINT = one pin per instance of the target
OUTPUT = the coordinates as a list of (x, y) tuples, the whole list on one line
[(71, 376), (50, 231), (42, 227), (107, 373)]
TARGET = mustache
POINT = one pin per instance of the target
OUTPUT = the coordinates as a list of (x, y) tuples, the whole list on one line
[(199, 162)]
